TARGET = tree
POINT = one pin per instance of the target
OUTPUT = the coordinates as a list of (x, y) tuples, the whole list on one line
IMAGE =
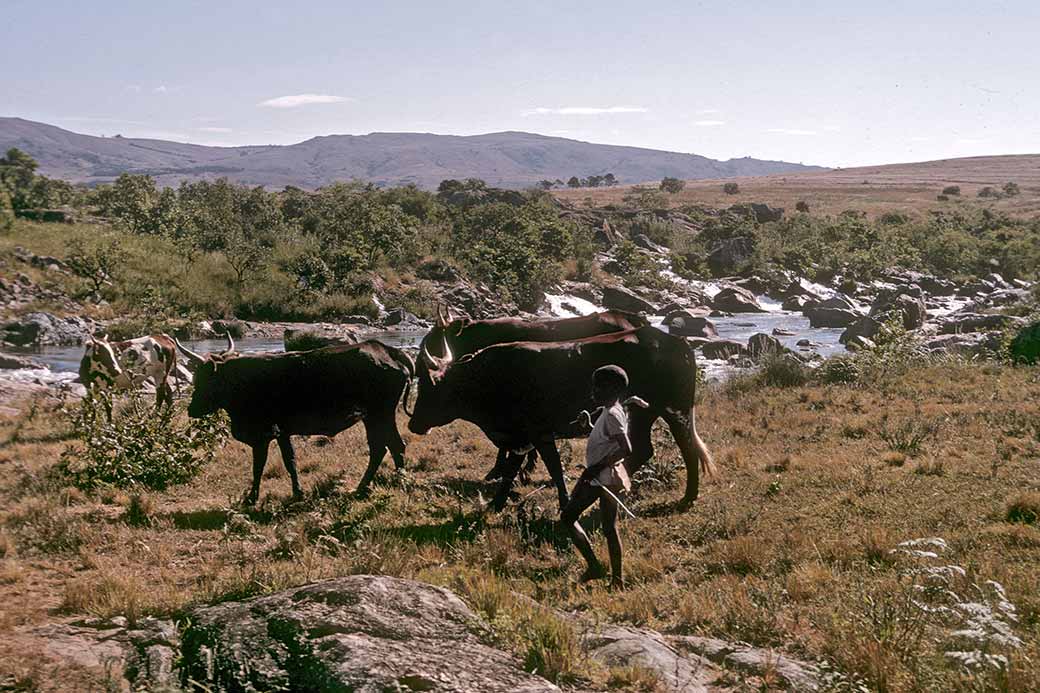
[(1011, 189), (952, 190), (6, 210), (731, 188), (802, 206), (129, 200), (609, 180), (672, 185), (95, 261), (594, 181), (988, 191), (546, 184), (17, 170), (574, 182)]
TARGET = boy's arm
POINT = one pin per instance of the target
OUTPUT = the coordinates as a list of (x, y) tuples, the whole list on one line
[(624, 449)]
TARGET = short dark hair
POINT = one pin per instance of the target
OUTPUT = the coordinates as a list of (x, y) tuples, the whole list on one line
[(611, 376)]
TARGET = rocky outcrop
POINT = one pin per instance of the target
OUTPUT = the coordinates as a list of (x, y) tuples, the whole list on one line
[(830, 317), (908, 305), (789, 673), (685, 324), (621, 298), (360, 633), (761, 213), (46, 329), (307, 339), (761, 345), (730, 255), (14, 361), (970, 344), (641, 240), (866, 327), (734, 299), (723, 349), (402, 319), (976, 322)]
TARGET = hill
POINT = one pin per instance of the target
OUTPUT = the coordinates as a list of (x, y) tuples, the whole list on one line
[(504, 159), (872, 189)]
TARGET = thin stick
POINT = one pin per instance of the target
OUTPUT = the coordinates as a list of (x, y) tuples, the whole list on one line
[(616, 499)]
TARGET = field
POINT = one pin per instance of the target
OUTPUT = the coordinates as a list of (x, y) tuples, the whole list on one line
[(794, 546), (872, 189)]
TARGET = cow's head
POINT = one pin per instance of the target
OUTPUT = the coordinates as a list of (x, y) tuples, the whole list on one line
[(99, 363), (433, 402), (208, 393)]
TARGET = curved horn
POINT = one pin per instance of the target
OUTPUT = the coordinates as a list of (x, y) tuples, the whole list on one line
[(448, 357), (431, 360), (442, 321), (192, 356), (230, 343)]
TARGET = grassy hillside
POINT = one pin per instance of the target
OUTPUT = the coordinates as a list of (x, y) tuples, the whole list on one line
[(871, 189), (794, 546)]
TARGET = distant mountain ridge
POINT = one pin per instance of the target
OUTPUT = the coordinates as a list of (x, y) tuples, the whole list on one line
[(505, 159)]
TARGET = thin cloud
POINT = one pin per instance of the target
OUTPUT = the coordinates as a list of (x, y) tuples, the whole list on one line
[(969, 141), (161, 89), (296, 100), (832, 128), (586, 110), (136, 88), (707, 111), (217, 130), (791, 131), (708, 123)]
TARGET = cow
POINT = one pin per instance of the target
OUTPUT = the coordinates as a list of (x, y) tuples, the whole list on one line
[(531, 393), (128, 364), (319, 392), (465, 336)]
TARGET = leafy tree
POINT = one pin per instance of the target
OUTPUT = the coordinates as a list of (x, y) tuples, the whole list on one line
[(129, 200), (96, 261), (672, 185), (546, 184), (802, 206), (988, 191), (952, 190), (6, 209), (731, 188), (594, 181), (609, 180), (573, 182), (17, 170)]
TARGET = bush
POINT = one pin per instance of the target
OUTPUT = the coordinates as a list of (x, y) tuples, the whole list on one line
[(988, 191), (942, 198), (783, 370), (138, 446), (839, 370), (802, 206), (672, 185), (731, 188), (1011, 189), (952, 190)]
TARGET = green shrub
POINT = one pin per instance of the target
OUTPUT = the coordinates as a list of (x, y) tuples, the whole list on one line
[(138, 446), (783, 370), (731, 188), (672, 185), (839, 370), (952, 190)]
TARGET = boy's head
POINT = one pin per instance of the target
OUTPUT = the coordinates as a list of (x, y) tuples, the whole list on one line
[(608, 384)]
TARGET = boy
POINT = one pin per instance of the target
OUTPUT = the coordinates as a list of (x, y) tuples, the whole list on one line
[(607, 448)]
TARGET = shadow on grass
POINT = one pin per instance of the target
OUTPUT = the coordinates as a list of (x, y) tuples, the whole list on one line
[(460, 527), (211, 519)]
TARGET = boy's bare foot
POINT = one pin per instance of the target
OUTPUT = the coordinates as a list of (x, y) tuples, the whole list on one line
[(593, 573), (617, 584)]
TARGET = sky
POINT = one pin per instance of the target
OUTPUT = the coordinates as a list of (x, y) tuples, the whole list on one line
[(831, 83)]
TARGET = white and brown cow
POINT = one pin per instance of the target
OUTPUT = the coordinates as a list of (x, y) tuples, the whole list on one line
[(127, 365)]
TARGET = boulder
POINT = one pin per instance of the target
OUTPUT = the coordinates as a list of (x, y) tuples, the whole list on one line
[(730, 255), (761, 345), (910, 308), (402, 318), (722, 349), (694, 310), (781, 332), (756, 285), (796, 304), (641, 240), (307, 339), (359, 633), (46, 329), (977, 322), (859, 343), (734, 299), (13, 361), (864, 327), (762, 213), (1025, 347), (969, 345), (684, 324), (436, 269), (830, 317), (622, 298), (839, 301)]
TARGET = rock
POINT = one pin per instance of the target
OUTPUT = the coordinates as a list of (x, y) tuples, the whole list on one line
[(641, 240), (864, 327), (761, 213), (790, 673), (837, 301), (909, 307), (45, 329), (356, 320), (1025, 347), (307, 339), (859, 343), (437, 270), (695, 310), (686, 325), (625, 646), (976, 322), (720, 314), (756, 285), (402, 318), (13, 361), (360, 633), (781, 332), (1021, 284), (722, 349), (761, 345), (622, 298), (605, 235), (236, 328), (730, 255), (997, 281), (796, 304), (804, 343), (970, 345), (830, 317), (734, 299)]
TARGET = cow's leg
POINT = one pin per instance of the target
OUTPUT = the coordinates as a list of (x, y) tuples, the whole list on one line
[(551, 458), (528, 469), (259, 462), (694, 452), (396, 444), (640, 423), (289, 460), (376, 432), (499, 470), (510, 467)]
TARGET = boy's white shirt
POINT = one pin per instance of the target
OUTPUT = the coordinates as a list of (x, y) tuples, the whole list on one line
[(613, 421)]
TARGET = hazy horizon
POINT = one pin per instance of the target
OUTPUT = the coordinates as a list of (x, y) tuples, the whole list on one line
[(835, 85)]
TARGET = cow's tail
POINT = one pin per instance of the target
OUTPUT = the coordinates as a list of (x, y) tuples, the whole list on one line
[(703, 454)]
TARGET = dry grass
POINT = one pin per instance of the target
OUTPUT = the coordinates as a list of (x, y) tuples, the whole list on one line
[(872, 189), (791, 548)]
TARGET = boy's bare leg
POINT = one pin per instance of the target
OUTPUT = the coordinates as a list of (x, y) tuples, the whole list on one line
[(609, 511), (582, 497)]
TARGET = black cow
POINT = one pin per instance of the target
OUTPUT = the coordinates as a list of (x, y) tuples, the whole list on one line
[(464, 336), (320, 392), (531, 392)]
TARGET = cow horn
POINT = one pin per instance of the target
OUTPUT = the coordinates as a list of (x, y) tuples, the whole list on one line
[(192, 356), (230, 343), (448, 358), (441, 321), (430, 359)]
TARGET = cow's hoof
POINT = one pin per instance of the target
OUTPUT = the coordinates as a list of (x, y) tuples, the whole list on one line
[(362, 491), (297, 497), (686, 503)]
